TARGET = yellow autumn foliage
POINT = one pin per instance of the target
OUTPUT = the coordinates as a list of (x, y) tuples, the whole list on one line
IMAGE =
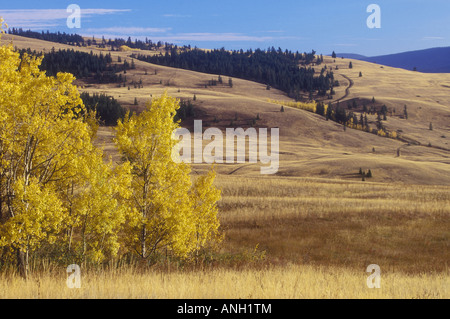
[(168, 211), (310, 107), (55, 188), (124, 48)]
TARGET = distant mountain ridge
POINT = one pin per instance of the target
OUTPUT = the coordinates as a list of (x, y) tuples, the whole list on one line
[(351, 56), (434, 60)]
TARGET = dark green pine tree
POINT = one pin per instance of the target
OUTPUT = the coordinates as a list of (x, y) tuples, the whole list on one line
[(365, 110), (320, 109), (329, 114)]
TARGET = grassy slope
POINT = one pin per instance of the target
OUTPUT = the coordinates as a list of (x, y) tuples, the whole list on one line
[(310, 146)]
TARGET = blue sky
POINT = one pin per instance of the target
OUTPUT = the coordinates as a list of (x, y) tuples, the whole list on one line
[(324, 26)]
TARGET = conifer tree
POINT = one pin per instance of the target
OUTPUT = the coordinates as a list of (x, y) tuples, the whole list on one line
[(320, 109)]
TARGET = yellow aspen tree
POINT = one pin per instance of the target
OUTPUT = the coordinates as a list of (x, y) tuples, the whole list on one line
[(381, 133), (163, 202), (204, 198), (97, 214), (37, 217), (45, 152)]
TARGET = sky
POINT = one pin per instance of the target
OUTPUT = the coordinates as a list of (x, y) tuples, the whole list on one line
[(296, 25)]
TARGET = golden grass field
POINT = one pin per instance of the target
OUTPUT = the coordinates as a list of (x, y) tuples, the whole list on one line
[(291, 238), (287, 282), (311, 230)]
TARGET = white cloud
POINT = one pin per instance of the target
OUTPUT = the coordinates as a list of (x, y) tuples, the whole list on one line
[(38, 18), (160, 34), (42, 18), (91, 12), (217, 37), (126, 30), (433, 38), (170, 15)]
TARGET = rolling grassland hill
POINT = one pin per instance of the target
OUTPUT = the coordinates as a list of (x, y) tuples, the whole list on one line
[(310, 146)]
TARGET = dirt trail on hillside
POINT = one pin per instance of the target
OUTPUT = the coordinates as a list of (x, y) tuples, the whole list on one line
[(347, 90)]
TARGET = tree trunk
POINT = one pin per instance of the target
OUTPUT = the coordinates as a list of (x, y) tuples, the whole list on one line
[(22, 263), (143, 245), (144, 213)]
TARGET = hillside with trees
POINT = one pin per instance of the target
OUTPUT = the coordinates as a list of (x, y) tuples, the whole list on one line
[(97, 67), (109, 111), (58, 37), (80, 41), (293, 73)]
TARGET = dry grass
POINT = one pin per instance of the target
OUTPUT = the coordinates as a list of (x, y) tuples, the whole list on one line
[(315, 239), (339, 224), (288, 282)]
